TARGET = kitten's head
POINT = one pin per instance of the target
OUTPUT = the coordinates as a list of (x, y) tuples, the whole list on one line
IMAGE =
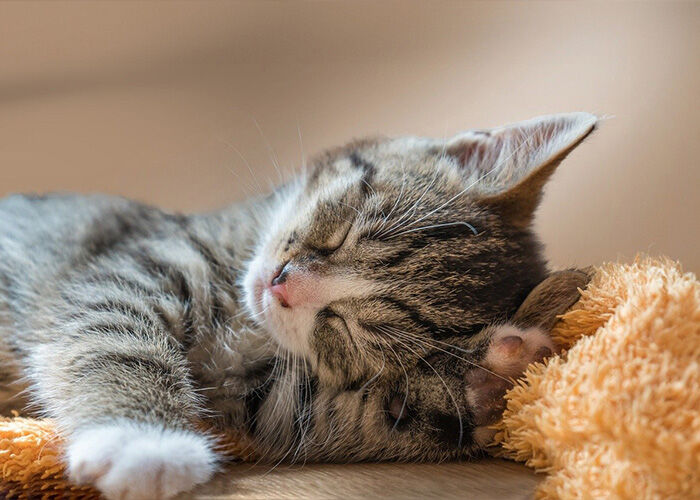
[(442, 407), (388, 246)]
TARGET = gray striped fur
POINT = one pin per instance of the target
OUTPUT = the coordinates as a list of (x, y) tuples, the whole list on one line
[(114, 310)]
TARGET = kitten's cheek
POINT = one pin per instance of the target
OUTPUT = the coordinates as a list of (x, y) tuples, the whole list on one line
[(254, 286)]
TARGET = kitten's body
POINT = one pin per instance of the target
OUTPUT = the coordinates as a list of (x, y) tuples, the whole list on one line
[(302, 318), (100, 250)]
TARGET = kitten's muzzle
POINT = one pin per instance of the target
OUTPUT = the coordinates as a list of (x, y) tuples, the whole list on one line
[(294, 286)]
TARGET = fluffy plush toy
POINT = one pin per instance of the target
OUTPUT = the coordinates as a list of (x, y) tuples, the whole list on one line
[(617, 416)]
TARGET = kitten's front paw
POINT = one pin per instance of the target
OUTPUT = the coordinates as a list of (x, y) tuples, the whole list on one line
[(510, 351), (130, 461)]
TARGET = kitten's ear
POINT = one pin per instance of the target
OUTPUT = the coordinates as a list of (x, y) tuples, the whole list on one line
[(508, 166)]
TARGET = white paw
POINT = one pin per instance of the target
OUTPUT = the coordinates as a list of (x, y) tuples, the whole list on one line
[(130, 461)]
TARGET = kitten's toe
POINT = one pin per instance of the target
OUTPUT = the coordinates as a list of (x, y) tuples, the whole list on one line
[(90, 453), (511, 349), (138, 461), (509, 352)]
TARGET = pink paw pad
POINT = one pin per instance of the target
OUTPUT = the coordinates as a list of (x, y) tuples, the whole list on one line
[(510, 351)]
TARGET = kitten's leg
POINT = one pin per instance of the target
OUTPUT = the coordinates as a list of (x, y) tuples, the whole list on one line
[(122, 393), (525, 338), (551, 298), (513, 346)]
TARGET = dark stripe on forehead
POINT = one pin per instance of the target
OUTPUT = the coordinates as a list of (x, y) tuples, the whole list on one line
[(396, 259), (442, 230), (368, 169), (422, 233), (404, 248), (361, 163), (421, 238)]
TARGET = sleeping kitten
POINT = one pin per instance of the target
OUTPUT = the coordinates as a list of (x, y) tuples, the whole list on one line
[(317, 319)]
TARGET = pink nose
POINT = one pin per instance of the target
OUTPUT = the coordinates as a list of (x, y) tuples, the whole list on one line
[(279, 292), (278, 286)]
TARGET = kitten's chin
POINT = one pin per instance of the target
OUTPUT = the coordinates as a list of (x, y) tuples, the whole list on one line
[(289, 328)]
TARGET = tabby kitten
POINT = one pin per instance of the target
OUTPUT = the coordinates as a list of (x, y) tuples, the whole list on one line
[(316, 319)]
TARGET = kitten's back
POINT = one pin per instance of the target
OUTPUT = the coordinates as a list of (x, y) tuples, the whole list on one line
[(40, 238)]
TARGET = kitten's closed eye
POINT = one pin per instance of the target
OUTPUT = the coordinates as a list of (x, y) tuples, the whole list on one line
[(335, 242), (335, 320)]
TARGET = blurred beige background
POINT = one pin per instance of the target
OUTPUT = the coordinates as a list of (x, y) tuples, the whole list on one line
[(166, 101)]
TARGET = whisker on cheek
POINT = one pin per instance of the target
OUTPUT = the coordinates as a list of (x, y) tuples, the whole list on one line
[(405, 399), (447, 388), (429, 342)]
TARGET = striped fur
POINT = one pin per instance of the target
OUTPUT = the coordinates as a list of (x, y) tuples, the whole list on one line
[(414, 249)]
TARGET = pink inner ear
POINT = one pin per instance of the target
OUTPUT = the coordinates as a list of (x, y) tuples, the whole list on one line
[(506, 155), (473, 151)]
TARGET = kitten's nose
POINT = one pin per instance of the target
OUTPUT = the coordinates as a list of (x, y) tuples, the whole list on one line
[(281, 275), (280, 293), (295, 286), (278, 286)]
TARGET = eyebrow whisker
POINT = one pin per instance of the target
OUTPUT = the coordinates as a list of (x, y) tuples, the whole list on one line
[(460, 223)]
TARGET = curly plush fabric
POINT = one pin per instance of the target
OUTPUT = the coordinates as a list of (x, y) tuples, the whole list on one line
[(618, 416), (30, 462), (31, 465)]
